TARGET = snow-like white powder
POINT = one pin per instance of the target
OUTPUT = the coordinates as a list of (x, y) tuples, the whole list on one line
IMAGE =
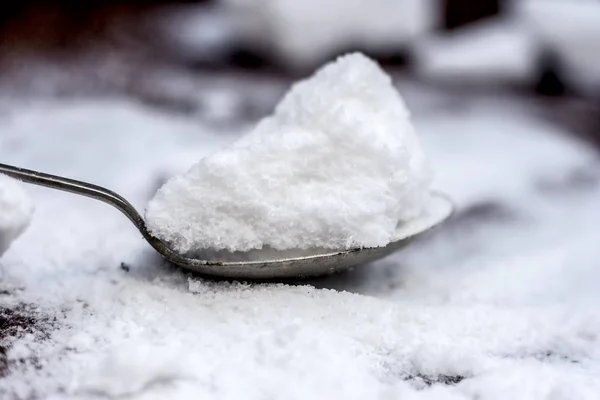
[(16, 209), (338, 165), (509, 304)]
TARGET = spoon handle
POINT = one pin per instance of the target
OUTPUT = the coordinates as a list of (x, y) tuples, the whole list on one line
[(104, 195), (77, 187)]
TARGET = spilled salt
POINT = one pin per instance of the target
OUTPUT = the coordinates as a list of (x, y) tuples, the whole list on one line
[(337, 165), (16, 209)]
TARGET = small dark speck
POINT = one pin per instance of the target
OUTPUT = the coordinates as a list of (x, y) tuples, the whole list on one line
[(441, 378), (125, 267), (550, 356)]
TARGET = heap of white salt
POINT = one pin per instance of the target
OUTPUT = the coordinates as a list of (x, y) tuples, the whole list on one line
[(16, 209), (337, 165)]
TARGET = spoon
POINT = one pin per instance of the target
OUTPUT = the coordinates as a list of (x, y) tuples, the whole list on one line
[(256, 264)]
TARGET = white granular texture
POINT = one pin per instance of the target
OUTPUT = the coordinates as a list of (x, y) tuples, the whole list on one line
[(16, 209), (337, 165)]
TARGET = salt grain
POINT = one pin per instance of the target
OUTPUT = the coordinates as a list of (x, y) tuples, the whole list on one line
[(16, 209), (337, 165)]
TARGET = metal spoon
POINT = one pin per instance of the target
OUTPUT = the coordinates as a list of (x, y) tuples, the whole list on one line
[(256, 264)]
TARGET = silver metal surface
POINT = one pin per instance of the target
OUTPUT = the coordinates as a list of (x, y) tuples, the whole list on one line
[(253, 265)]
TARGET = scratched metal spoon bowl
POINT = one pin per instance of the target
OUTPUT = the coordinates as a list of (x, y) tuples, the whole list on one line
[(256, 264)]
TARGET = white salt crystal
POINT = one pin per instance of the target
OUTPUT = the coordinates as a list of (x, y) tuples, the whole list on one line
[(16, 209), (338, 165)]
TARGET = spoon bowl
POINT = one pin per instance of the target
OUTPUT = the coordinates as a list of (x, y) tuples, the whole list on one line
[(256, 264)]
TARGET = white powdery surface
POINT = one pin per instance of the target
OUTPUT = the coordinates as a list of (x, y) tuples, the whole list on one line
[(338, 165), (511, 305), (16, 210)]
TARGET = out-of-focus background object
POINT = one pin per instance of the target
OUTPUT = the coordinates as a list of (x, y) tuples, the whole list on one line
[(304, 34), (511, 41), (548, 47), (505, 96)]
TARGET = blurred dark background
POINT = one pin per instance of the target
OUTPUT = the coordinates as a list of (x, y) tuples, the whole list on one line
[(64, 24), (543, 49)]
